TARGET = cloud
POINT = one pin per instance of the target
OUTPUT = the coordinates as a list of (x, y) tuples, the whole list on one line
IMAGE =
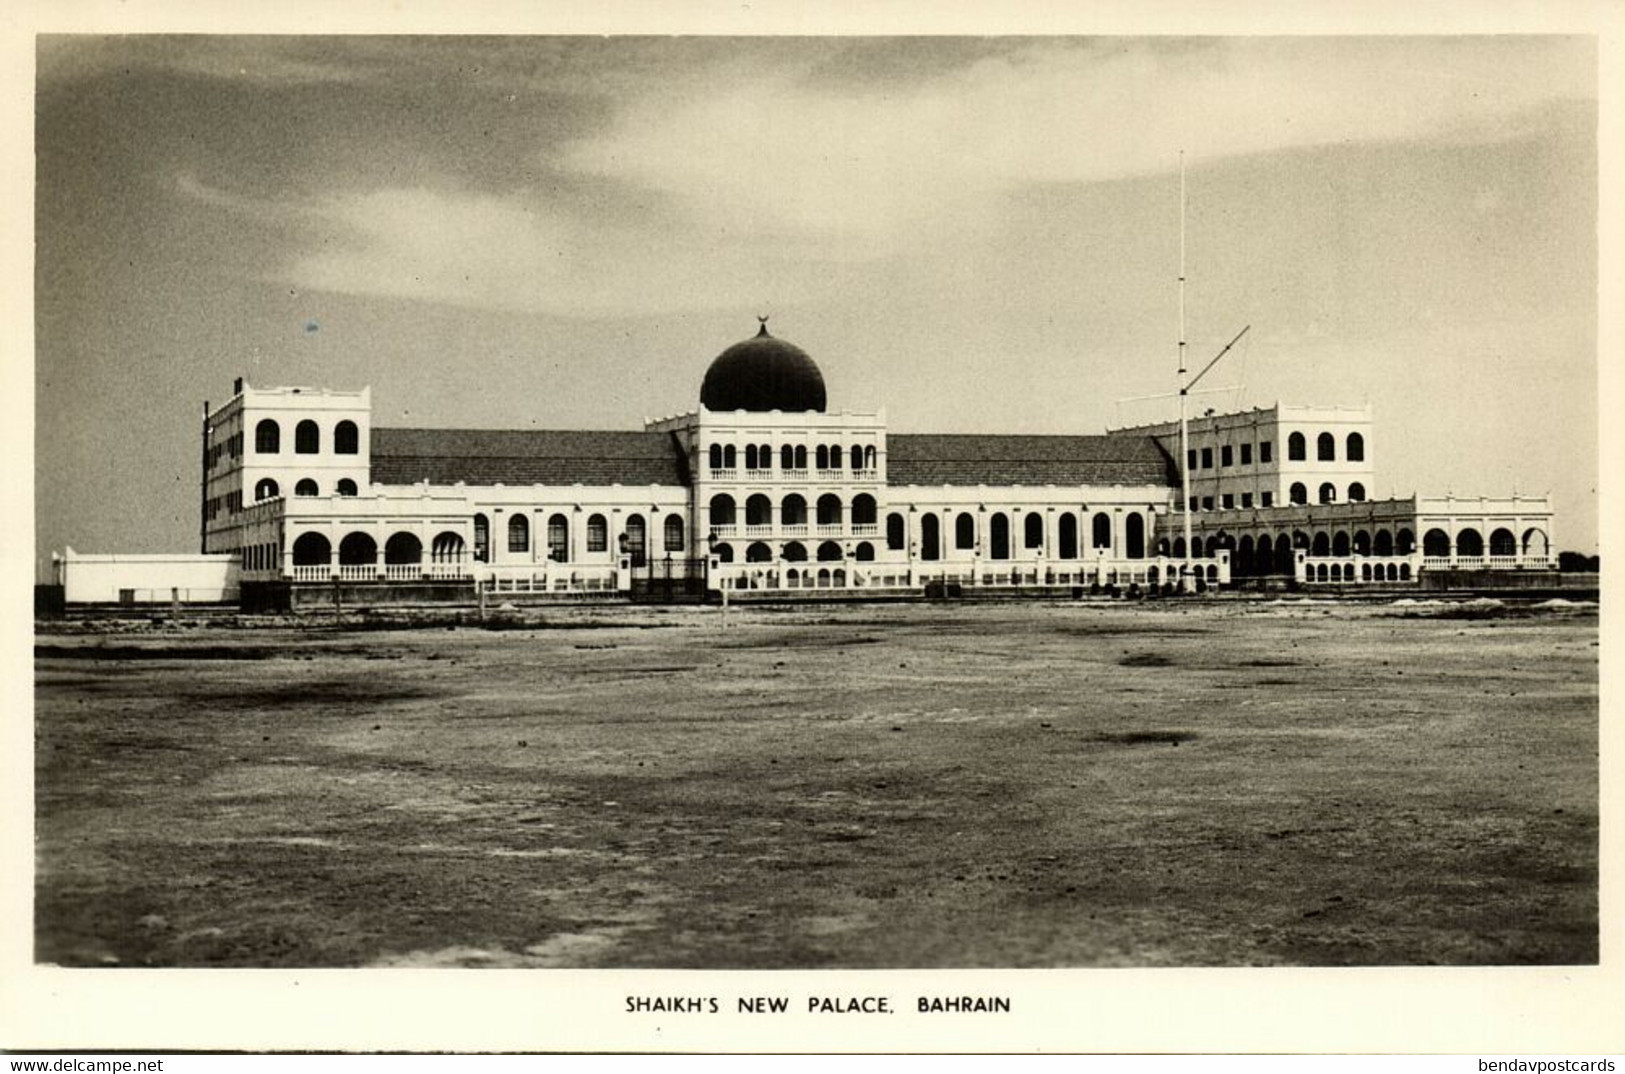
[(772, 147), (750, 176)]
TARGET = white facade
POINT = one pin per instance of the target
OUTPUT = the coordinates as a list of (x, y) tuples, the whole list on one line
[(764, 499)]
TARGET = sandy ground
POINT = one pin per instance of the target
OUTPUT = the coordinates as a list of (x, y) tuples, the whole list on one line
[(1066, 784)]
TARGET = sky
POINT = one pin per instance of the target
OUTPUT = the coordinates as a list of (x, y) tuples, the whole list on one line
[(979, 234)]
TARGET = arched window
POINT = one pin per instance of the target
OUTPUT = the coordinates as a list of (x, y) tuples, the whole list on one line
[(724, 552), (1069, 536), (1297, 493), (863, 509), (896, 532), (558, 539), (730, 457), (1404, 543), (518, 533), (312, 550), (835, 457), (1534, 542), (1469, 542), (1033, 537), (637, 539), (307, 438), (265, 490), (598, 534), (673, 533), (801, 457), (999, 537), (358, 550), (758, 552), (1340, 543), (764, 456), (1326, 448), (758, 511), (793, 510), (930, 537), (345, 487), (829, 552), (869, 457), (482, 539), (795, 552), (447, 548), (1436, 543), (822, 456), (1362, 543), (722, 510), (1134, 534), (1383, 544), (787, 458), (1102, 530), (1242, 563), (1328, 493), (750, 464), (1296, 448), (267, 437), (346, 439), (1263, 555), (403, 549), (856, 456), (715, 456), (306, 487), (965, 530), (1356, 492), (1502, 543), (864, 553), (1322, 545), (829, 509), (1356, 448)]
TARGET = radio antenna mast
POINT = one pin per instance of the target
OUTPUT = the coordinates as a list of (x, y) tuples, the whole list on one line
[(1184, 422), (1186, 383)]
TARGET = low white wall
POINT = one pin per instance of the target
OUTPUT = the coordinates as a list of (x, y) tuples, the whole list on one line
[(151, 579)]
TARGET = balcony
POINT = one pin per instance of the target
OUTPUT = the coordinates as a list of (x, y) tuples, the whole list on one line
[(725, 529), (866, 475), (724, 475), (866, 529), (759, 475), (831, 475), (764, 529), (829, 529), (793, 529)]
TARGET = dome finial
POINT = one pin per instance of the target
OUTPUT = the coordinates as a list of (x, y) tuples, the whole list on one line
[(762, 319)]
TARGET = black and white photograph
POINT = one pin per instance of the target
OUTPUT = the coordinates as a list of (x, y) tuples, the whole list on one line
[(806, 504)]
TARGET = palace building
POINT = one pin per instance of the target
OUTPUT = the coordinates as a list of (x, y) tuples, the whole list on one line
[(762, 490)]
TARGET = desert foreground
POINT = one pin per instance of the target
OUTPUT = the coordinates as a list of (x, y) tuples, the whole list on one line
[(924, 785)]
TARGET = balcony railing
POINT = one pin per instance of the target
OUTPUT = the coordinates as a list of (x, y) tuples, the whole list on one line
[(358, 572), (865, 529), (724, 475), (829, 529), (865, 475), (793, 529), (319, 572), (764, 529), (725, 529), (831, 475), (758, 475)]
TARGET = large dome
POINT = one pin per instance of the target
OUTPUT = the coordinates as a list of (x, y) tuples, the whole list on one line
[(763, 374)]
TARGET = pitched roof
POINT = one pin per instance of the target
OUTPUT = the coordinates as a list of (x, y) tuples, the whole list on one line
[(931, 459), (526, 457)]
